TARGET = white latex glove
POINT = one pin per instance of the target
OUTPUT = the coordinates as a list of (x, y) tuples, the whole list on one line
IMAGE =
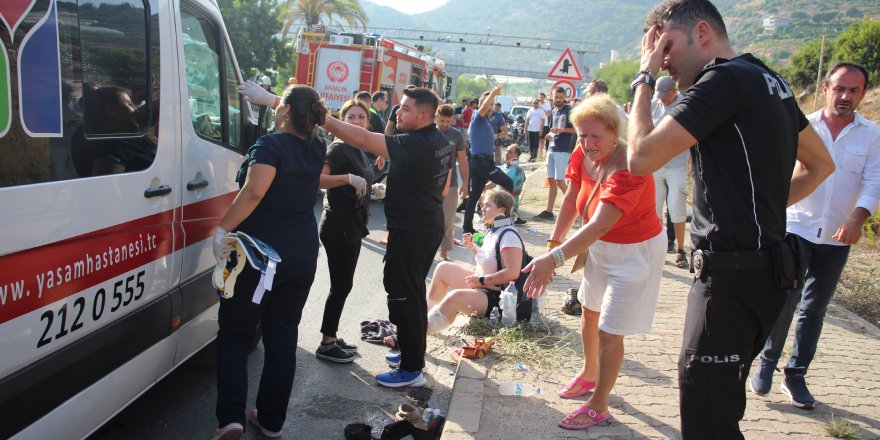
[(359, 184), (221, 247), (256, 94)]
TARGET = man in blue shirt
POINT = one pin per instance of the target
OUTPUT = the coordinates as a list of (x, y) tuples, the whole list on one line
[(482, 159), (499, 124)]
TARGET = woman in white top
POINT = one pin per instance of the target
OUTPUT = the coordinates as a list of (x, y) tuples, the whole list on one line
[(476, 290)]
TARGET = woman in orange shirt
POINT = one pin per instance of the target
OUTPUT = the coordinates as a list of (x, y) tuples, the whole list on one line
[(627, 251)]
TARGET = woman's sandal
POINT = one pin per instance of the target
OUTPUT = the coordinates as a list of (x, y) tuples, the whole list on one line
[(594, 419), (254, 420), (566, 393)]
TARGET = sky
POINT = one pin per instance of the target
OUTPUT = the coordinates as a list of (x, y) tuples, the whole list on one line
[(410, 6)]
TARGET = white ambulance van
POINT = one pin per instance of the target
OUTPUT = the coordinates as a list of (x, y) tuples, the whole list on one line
[(121, 131)]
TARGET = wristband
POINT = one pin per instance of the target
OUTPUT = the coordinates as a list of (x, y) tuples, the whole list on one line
[(552, 244), (558, 257), (482, 281)]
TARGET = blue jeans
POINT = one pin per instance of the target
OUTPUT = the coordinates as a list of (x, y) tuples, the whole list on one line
[(823, 265)]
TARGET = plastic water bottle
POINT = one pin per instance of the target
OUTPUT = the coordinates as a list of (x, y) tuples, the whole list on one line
[(537, 309), (493, 316), (508, 305), (508, 388)]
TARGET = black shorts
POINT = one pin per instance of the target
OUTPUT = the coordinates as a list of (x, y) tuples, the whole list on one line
[(494, 298)]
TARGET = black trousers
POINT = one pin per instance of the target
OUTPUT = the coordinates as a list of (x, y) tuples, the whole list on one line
[(408, 258), (342, 258), (482, 170), (534, 142), (728, 318), (279, 312)]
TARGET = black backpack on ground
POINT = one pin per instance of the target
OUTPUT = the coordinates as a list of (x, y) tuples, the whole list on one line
[(523, 303)]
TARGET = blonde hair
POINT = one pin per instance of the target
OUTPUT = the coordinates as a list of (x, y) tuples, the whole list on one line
[(599, 108), (501, 199)]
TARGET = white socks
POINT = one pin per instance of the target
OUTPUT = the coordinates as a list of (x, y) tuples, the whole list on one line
[(436, 321)]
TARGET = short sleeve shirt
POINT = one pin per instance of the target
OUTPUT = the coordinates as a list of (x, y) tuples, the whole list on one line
[(466, 116), (285, 217), (632, 195), (482, 136), (345, 214), (420, 162), (658, 111), (486, 261), (455, 138), (534, 117), (517, 175), (498, 121), (562, 142), (746, 122)]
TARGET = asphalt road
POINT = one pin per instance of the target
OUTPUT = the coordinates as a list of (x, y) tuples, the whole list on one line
[(326, 396)]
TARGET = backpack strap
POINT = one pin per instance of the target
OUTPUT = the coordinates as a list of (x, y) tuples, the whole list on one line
[(498, 245)]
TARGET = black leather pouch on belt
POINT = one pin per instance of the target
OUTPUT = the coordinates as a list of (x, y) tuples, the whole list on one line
[(786, 263)]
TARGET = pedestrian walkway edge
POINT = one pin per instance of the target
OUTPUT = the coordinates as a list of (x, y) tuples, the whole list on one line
[(466, 404)]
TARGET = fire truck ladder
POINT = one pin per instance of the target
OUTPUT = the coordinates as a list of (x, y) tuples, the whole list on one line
[(368, 69), (313, 60)]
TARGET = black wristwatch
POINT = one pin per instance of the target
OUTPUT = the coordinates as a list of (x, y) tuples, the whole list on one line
[(643, 77), (482, 281)]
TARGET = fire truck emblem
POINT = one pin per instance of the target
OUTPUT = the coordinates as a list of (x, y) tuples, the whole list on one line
[(337, 71)]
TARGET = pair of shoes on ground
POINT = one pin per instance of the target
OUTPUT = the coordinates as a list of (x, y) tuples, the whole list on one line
[(544, 215), (235, 431), (681, 260), (337, 351), (793, 385), (584, 387), (397, 378), (594, 418)]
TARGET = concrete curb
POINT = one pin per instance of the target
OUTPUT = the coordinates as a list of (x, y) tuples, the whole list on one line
[(466, 403)]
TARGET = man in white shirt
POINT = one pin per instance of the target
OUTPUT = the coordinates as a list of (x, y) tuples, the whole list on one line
[(536, 119), (826, 223), (670, 180)]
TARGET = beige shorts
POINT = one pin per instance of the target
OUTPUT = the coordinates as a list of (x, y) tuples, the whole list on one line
[(622, 283)]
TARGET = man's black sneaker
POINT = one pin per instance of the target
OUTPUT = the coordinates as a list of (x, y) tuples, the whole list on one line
[(544, 215), (334, 353), (762, 380), (681, 260), (519, 221), (795, 387), (346, 346)]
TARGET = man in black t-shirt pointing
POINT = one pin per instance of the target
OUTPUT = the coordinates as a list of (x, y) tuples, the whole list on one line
[(421, 160), (746, 130)]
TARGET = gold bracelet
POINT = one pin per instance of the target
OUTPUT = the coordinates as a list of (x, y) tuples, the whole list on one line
[(553, 243)]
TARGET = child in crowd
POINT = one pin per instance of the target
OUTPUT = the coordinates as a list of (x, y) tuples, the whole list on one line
[(518, 176)]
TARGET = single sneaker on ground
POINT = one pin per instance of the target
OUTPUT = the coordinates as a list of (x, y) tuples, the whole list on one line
[(762, 380), (393, 359), (795, 387), (397, 378), (681, 260), (334, 353), (544, 215), (520, 221)]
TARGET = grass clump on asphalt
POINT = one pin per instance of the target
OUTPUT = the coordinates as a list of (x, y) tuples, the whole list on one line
[(542, 349), (841, 428), (859, 286)]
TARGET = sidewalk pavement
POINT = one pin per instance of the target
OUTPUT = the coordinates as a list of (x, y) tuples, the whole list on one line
[(644, 402)]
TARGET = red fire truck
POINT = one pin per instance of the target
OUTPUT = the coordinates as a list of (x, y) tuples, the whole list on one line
[(339, 64)]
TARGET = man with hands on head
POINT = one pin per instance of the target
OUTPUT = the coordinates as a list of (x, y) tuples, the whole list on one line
[(482, 159), (746, 129)]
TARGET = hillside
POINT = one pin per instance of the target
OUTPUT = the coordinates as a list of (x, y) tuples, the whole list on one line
[(617, 24)]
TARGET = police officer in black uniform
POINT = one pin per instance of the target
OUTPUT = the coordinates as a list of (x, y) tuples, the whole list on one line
[(746, 131), (421, 160)]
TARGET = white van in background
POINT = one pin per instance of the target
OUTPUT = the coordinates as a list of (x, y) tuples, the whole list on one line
[(121, 130)]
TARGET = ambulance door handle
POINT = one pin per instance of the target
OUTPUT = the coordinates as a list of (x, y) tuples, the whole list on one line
[(159, 191), (193, 185)]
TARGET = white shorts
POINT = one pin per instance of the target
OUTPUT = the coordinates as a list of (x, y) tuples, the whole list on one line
[(557, 163), (622, 283), (671, 186)]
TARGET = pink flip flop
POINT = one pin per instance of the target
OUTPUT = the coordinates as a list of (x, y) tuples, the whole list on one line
[(566, 393), (595, 419)]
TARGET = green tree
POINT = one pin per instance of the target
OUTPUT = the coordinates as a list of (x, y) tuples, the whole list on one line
[(468, 86), (252, 32), (312, 12), (619, 75), (803, 65), (860, 43)]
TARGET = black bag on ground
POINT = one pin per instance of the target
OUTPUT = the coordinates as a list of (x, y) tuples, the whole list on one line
[(523, 303)]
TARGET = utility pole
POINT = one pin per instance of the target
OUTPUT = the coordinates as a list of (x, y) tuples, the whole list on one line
[(819, 73)]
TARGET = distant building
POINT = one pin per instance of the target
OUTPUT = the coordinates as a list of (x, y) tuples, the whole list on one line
[(773, 23)]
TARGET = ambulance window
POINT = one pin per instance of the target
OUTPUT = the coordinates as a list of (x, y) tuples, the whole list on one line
[(86, 88), (203, 79), (234, 102)]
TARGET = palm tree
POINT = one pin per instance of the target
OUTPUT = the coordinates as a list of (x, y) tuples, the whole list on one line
[(312, 12)]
